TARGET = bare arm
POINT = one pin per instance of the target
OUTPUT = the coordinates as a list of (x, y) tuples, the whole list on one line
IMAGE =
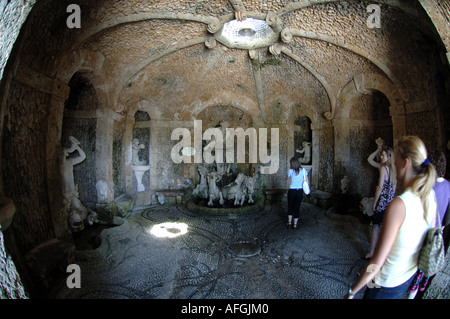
[(80, 158), (383, 174), (393, 219), (371, 159)]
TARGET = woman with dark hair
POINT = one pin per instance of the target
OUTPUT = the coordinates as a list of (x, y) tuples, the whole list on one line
[(384, 194), (442, 186), (295, 193)]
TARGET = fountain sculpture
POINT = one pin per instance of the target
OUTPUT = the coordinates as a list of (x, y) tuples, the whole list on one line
[(77, 213), (306, 151), (241, 188)]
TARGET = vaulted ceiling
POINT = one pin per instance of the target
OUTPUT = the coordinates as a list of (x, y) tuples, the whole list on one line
[(166, 54)]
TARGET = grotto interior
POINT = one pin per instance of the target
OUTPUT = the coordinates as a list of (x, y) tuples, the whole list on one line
[(104, 106)]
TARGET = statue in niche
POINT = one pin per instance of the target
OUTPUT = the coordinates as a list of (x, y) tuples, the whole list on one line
[(77, 213), (136, 147), (306, 151)]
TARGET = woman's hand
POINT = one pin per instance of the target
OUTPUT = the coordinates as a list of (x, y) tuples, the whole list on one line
[(348, 296)]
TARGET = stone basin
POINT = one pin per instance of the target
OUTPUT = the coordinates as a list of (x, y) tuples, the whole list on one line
[(258, 205), (139, 171)]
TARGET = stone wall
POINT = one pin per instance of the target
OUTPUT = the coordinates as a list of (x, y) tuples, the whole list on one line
[(352, 82), (10, 284), (12, 16), (24, 164)]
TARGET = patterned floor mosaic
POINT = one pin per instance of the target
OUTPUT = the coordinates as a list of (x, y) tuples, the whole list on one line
[(169, 252)]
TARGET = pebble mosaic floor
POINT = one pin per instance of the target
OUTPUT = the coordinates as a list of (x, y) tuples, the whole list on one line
[(165, 252)]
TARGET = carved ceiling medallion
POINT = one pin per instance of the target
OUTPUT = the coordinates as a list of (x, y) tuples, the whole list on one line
[(247, 34)]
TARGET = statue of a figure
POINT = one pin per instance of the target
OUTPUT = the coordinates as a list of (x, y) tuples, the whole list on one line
[(306, 151), (135, 153), (77, 213), (201, 189)]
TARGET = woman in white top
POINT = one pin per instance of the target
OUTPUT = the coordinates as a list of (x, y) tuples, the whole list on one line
[(295, 193), (407, 219)]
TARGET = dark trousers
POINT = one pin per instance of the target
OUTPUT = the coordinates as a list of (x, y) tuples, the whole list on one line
[(399, 292), (295, 197)]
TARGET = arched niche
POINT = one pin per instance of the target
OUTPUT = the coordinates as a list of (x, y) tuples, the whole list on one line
[(141, 133), (80, 122), (371, 111), (369, 119), (140, 151), (223, 117)]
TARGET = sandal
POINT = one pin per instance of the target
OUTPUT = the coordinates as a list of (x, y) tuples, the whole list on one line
[(295, 226), (288, 225)]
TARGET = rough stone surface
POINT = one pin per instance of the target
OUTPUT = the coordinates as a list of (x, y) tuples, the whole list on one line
[(350, 82), (318, 261), (10, 284)]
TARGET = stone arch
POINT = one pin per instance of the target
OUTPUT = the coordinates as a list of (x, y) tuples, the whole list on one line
[(249, 106), (80, 60), (356, 121), (365, 83)]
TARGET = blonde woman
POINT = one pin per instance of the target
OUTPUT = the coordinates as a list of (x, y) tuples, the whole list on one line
[(406, 222)]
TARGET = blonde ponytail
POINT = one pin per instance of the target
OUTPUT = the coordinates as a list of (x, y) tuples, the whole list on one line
[(413, 148)]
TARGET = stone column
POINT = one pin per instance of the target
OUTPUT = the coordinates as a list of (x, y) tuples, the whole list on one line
[(315, 157), (104, 156), (127, 142), (153, 156), (54, 157), (397, 112)]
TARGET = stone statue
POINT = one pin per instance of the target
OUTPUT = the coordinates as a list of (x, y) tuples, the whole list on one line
[(306, 151), (211, 175), (233, 190), (77, 213), (248, 188), (366, 205), (201, 189), (135, 153), (238, 190), (214, 191)]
